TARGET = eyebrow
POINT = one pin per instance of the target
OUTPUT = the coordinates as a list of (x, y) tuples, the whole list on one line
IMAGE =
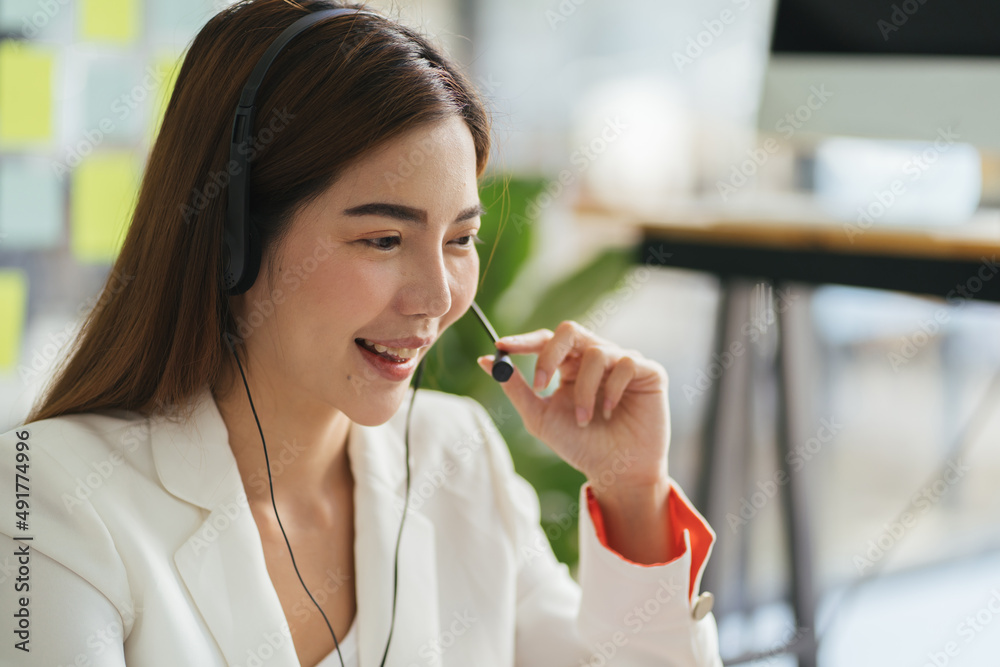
[(408, 213)]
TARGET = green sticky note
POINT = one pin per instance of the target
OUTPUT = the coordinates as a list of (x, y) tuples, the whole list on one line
[(13, 305), (109, 20), (25, 95), (103, 198)]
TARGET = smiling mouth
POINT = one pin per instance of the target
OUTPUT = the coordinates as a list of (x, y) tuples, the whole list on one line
[(398, 355)]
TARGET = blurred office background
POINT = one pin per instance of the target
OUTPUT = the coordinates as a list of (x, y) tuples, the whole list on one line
[(603, 111)]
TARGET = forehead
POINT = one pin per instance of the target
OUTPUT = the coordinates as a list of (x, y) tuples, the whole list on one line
[(431, 161)]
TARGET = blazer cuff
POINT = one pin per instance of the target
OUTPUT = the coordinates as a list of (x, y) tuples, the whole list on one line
[(685, 524)]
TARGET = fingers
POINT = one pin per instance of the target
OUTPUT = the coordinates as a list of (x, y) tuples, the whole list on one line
[(593, 365), (569, 339), (623, 372), (525, 401), (526, 343)]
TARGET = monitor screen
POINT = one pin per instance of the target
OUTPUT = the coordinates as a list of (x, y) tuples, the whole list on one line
[(892, 69), (895, 27)]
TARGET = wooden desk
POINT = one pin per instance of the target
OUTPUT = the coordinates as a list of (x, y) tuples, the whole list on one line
[(955, 263), (817, 250)]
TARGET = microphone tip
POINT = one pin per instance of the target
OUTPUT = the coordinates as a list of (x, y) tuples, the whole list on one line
[(503, 369)]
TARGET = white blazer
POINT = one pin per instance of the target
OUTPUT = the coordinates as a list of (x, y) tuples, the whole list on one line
[(144, 552)]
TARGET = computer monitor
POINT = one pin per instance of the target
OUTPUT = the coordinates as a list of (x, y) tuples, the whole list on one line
[(894, 69)]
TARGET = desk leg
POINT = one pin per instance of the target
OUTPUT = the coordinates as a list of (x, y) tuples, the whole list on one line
[(726, 441), (794, 498), (710, 436)]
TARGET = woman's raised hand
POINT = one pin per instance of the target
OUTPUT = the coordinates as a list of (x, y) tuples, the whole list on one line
[(608, 418)]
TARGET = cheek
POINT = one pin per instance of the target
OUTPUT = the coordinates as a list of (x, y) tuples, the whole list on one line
[(353, 287), (335, 297), (465, 281)]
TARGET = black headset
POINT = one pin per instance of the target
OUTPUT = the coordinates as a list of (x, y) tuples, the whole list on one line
[(241, 263), (241, 241)]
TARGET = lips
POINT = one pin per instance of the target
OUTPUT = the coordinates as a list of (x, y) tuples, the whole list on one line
[(389, 366), (394, 353), (413, 342)]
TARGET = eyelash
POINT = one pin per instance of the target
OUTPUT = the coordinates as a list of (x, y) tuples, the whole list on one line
[(373, 243)]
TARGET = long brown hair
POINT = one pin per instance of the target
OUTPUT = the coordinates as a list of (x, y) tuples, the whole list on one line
[(338, 90)]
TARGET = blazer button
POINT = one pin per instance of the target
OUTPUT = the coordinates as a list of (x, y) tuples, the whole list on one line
[(702, 605)]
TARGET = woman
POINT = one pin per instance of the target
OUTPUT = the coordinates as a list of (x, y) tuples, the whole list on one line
[(219, 479)]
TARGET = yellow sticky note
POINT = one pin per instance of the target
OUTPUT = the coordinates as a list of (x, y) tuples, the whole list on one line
[(109, 20), (103, 198), (164, 71), (13, 305), (25, 94)]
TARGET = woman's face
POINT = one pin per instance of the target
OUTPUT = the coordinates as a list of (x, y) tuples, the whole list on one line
[(385, 254)]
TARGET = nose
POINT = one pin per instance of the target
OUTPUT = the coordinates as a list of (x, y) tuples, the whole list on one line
[(428, 288)]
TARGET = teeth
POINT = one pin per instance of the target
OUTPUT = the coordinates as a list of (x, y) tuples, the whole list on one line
[(401, 352)]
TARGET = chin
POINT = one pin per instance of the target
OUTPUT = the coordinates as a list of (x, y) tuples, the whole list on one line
[(378, 407)]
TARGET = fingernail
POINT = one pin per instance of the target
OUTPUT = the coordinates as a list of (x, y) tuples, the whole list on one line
[(581, 416), (541, 379), (607, 409)]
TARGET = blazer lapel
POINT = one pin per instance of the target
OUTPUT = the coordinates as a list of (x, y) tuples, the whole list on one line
[(222, 562)]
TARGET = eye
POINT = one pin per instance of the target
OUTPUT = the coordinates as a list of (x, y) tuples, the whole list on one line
[(378, 242), (469, 240)]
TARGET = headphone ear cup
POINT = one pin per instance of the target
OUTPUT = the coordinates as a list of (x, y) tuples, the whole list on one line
[(230, 280), (253, 260), (238, 284)]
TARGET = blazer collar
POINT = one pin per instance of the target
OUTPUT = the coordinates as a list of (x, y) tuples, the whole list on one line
[(222, 562)]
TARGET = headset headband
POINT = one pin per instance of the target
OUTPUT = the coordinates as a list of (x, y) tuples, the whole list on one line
[(241, 243)]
